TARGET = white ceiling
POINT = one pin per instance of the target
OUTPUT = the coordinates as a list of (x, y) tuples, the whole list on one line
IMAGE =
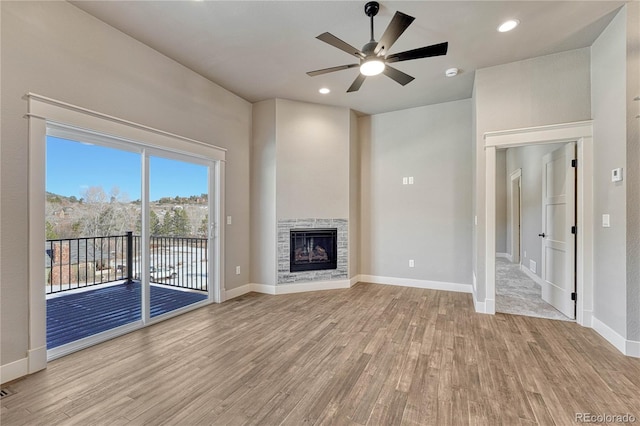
[(262, 50)]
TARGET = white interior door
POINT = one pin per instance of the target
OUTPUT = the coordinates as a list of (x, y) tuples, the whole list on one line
[(558, 218)]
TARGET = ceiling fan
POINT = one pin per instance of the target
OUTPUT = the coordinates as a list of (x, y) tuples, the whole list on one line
[(373, 56)]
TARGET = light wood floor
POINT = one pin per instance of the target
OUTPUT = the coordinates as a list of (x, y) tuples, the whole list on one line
[(374, 354)]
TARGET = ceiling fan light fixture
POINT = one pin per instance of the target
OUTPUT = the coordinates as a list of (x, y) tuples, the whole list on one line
[(373, 66), (508, 25)]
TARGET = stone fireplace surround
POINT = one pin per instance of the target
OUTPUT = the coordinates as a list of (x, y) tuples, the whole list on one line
[(284, 227)]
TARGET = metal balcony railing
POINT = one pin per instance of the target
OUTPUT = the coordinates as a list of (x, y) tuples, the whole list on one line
[(75, 263)]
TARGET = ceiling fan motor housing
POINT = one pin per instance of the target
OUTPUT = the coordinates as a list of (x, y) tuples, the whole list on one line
[(371, 8), (368, 49)]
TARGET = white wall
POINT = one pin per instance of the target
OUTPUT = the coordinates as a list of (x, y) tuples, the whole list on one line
[(56, 50), (429, 221), (354, 196), (615, 68), (633, 171), (304, 164), (535, 92), (263, 193), (608, 82), (312, 154)]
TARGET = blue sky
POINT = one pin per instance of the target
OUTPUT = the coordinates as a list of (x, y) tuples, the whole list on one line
[(72, 167)]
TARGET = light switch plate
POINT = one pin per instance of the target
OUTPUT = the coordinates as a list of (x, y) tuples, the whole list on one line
[(606, 221), (410, 180), (228, 220), (405, 180)]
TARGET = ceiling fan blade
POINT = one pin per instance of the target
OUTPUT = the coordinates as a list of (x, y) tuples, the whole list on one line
[(421, 52), (332, 69), (396, 27), (342, 45), (397, 75), (355, 86)]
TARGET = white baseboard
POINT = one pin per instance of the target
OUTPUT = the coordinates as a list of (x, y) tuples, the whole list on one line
[(544, 286), (509, 257), (37, 359), (263, 288), (627, 347), (534, 277), (479, 306), (586, 320), (503, 255), (312, 286), (490, 306), (486, 307), (290, 288), (342, 284), (609, 334), (409, 282), (14, 370), (239, 291), (633, 349)]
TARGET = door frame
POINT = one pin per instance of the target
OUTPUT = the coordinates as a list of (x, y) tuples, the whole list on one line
[(581, 133), (41, 112), (515, 178)]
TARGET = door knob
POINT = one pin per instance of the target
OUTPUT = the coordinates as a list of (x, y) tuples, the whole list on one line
[(542, 235)]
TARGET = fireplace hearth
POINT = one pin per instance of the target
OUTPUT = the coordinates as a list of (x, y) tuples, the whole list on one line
[(313, 249)]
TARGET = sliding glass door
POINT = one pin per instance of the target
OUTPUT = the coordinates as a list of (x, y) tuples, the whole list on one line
[(178, 233), (92, 212), (128, 236)]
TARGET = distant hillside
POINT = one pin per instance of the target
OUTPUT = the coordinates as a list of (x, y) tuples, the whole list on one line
[(192, 199), (57, 198)]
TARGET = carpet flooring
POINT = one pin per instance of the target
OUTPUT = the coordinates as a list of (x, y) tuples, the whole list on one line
[(518, 294)]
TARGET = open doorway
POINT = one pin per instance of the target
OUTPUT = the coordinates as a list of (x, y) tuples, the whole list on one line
[(581, 134), (535, 197)]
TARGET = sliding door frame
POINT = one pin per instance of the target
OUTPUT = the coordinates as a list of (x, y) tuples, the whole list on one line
[(44, 112)]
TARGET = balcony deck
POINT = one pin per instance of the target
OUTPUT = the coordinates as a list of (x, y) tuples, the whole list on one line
[(82, 314)]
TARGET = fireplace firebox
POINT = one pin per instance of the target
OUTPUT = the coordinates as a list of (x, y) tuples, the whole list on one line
[(313, 249)]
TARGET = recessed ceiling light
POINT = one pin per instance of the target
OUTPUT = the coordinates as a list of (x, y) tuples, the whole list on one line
[(508, 25), (324, 90)]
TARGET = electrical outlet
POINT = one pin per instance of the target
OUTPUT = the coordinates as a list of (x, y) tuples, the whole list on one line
[(411, 263), (410, 180), (228, 220), (525, 253), (237, 270)]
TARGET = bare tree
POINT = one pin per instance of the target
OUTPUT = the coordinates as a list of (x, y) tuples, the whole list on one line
[(106, 214)]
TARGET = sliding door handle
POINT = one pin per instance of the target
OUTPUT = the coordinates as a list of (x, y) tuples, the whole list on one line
[(542, 235)]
